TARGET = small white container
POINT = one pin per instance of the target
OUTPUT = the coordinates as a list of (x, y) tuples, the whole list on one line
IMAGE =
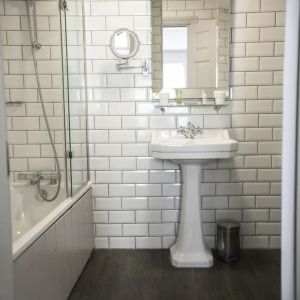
[(163, 98), (220, 97), (204, 97)]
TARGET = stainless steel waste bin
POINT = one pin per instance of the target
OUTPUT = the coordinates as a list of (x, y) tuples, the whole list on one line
[(228, 241)]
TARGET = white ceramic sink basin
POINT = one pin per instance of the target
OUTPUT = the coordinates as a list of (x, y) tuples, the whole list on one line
[(190, 250), (211, 144)]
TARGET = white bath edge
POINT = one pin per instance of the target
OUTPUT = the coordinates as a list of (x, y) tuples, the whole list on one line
[(26, 240)]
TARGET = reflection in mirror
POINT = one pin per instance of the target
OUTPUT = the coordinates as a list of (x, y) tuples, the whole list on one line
[(124, 43), (191, 46), (174, 57)]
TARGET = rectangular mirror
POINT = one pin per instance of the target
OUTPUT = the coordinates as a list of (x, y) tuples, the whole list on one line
[(190, 46)]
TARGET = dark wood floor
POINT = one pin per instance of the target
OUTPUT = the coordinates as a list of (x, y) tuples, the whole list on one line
[(148, 275)]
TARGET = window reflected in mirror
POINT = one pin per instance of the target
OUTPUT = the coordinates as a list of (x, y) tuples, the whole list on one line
[(174, 57)]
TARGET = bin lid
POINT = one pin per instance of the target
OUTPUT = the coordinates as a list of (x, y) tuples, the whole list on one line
[(228, 224)]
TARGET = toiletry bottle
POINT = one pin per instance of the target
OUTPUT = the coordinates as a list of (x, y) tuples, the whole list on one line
[(220, 97), (178, 96), (204, 97), (163, 98)]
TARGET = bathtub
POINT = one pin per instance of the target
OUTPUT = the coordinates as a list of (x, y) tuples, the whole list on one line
[(28, 209), (52, 241)]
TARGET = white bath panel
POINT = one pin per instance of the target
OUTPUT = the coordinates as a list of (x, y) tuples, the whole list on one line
[(50, 267)]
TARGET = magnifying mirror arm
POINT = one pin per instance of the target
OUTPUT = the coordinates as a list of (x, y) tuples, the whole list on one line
[(123, 64)]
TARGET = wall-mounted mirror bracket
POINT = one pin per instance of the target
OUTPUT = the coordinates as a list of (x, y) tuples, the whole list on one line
[(123, 64), (124, 43)]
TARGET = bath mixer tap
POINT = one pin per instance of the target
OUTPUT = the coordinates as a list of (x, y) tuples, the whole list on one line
[(189, 131), (36, 177)]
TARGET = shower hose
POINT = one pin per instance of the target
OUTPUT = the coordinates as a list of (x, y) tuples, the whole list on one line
[(35, 47)]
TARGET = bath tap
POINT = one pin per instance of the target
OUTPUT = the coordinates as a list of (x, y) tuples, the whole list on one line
[(189, 131), (36, 177)]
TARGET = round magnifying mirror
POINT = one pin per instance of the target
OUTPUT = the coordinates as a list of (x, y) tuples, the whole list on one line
[(124, 43)]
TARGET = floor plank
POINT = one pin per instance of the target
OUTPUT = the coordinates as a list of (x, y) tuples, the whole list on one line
[(148, 275)]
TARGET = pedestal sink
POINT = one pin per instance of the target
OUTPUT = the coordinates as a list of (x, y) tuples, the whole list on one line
[(190, 250)]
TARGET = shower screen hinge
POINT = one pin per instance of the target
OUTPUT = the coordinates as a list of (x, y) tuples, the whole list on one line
[(63, 4), (69, 154)]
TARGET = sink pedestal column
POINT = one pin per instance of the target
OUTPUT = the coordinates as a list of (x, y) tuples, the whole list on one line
[(190, 250)]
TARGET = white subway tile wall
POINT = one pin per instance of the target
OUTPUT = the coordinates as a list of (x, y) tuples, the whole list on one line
[(137, 198), (27, 136), (27, 133)]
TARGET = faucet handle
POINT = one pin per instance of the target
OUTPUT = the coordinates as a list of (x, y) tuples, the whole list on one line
[(190, 130), (37, 174), (36, 177), (190, 126)]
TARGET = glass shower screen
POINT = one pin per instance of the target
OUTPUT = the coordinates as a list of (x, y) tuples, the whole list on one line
[(75, 93)]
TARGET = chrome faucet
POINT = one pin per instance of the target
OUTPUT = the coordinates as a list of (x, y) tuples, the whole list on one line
[(36, 178), (189, 131)]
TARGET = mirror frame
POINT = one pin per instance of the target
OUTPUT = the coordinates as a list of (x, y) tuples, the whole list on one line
[(136, 48), (195, 92)]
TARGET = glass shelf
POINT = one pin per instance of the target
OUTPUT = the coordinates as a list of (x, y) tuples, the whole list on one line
[(190, 103)]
